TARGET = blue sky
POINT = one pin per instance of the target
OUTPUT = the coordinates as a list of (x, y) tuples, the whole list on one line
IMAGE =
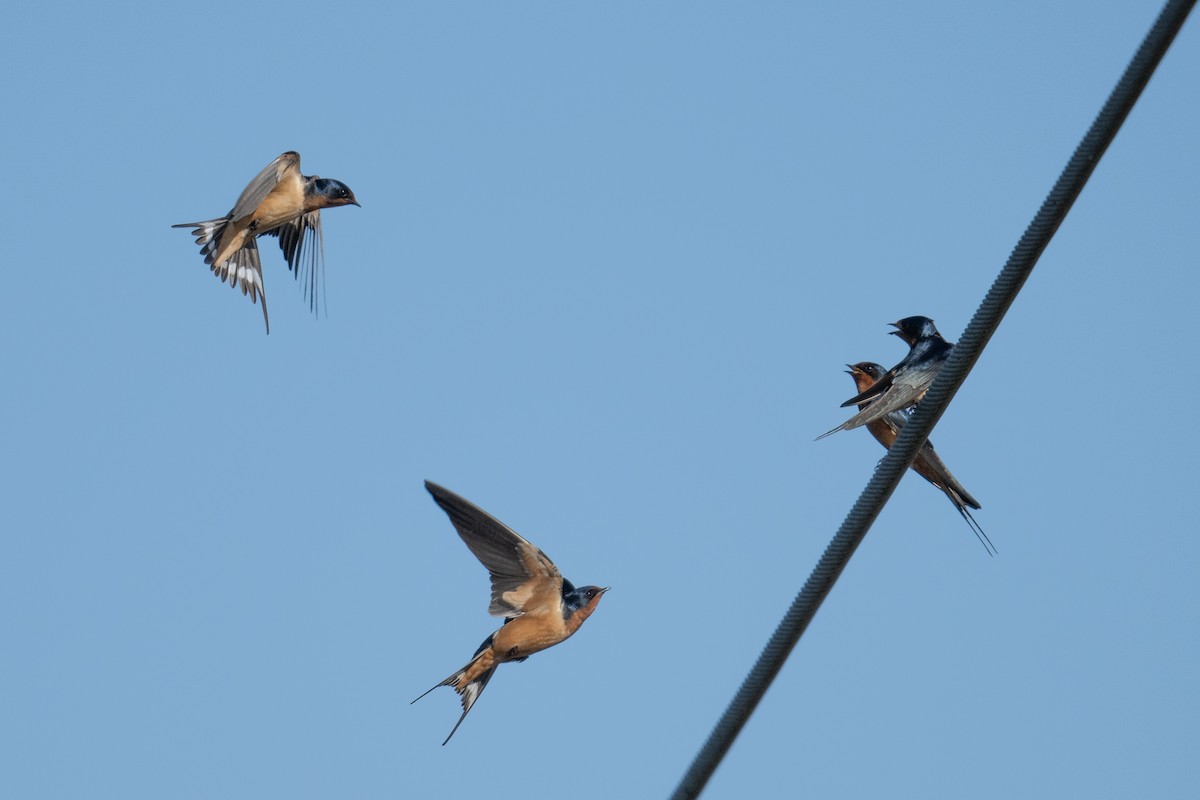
[(610, 263)]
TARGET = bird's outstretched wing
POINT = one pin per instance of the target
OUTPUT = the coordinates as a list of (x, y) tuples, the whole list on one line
[(303, 247), (522, 575)]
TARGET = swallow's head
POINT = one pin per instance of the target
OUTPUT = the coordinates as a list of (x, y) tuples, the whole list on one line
[(866, 374), (910, 329), (333, 193), (578, 604)]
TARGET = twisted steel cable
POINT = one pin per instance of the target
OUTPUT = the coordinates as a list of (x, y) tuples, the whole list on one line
[(966, 352)]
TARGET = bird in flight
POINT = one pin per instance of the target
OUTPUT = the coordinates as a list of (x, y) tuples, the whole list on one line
[(278, 202), (540, 607)]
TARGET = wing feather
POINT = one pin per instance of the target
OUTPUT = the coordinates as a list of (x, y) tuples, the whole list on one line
[(303, 247), (520, 572)]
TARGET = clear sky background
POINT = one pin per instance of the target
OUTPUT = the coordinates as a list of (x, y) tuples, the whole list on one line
[(611, 261)]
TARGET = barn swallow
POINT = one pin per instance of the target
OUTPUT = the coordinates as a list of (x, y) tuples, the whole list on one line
[(927, 463), (905, 384), (278, 202), (540, 607)]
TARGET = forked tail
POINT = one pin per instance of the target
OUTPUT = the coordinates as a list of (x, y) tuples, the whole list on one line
[(470, 691)]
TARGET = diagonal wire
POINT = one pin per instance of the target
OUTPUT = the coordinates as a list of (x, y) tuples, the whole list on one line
[(987, 318)]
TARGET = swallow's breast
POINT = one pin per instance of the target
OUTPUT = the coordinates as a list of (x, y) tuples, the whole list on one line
[(528, 634)]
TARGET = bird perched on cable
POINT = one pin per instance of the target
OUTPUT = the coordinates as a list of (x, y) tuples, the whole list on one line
[(905, 384), (540, 607), (278, 202), (927, 463)]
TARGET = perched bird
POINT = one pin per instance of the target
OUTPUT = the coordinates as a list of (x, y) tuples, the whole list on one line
[(278, 202), (905, 384), (927, 464), (540, 607)]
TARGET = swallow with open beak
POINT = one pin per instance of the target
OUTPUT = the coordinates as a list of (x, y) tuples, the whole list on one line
[(927, 463), (278, 202), (540, 607), (905, 384)]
